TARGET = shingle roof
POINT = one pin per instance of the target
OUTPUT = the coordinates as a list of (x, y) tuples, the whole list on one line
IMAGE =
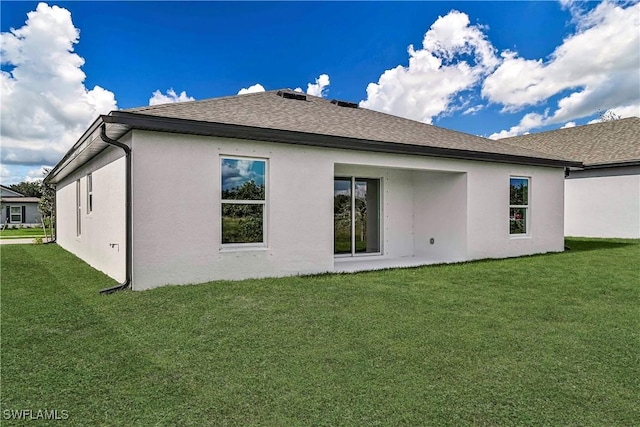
[(23, 199), (321, 116), (15, 193), (312, 121), (611, 142)]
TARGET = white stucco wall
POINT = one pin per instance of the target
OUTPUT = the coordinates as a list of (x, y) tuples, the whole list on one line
[(440, 213), (102, 240), (463, 205), (488, 202), (603, 206)]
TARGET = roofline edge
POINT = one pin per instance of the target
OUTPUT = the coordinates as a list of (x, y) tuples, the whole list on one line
[(194, 127)]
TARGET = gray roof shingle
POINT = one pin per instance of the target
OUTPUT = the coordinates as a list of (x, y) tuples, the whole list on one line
[(320, 116), (23, 199), (611, 142)]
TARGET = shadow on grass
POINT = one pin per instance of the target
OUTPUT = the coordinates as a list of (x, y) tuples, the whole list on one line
[(577, 244)]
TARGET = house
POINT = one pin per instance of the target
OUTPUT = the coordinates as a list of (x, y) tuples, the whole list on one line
[(602, 199), (281, 183), (17, 209)]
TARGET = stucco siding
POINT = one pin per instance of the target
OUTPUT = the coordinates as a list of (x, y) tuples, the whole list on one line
[(101, 242), (177, 189), (462, 205), (488, 214), (603, 206), (440, 215)]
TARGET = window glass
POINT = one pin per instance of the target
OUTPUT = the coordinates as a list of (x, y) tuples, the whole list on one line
[(518, 205), (16, 214), (89, 193), (342, 215), (519, 191), (243, 179), (243, 200), (518, 221), (78, 210), (356, 215), (242, 223), (367, 238)]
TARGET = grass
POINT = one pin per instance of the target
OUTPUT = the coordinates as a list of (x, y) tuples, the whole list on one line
[(21, 233), (543, 340)]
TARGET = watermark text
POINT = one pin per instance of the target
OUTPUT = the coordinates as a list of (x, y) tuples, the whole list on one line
[(35, 414)]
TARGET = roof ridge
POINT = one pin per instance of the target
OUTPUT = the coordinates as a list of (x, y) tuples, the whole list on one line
[(573, 128), (196, 101)]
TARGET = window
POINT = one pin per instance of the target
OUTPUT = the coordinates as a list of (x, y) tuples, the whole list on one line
[(356, 215), (78, 211), (89, 193), (518, 206), (15, 214), (243, 200)]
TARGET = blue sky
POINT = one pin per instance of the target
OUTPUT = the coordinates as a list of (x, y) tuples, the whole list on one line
[(488, 68)]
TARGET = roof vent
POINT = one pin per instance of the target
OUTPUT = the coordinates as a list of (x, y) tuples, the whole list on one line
[(292, 95), (344, 104)]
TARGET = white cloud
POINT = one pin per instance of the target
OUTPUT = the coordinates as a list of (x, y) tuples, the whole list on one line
[(35, 174), (171, 97), (454, 57), (13, 174), (627, 111), (569, 125), (598, 67), (473, 110), (45, 105), (566, 3), (319, 88), (251, 89), (5, 173), (529, 121)]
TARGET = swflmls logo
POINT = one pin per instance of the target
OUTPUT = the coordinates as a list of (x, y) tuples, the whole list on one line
[(40, 414)]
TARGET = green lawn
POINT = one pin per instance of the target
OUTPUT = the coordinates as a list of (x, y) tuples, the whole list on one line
[(544, 340), (20, 233)]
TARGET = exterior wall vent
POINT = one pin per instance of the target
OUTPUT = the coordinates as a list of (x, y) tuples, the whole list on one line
[(292, 95), (344, 104)]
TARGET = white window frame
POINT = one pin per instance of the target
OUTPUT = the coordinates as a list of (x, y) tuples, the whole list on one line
[(78, 210), (250, 245), (11, 214), (89, 193), (526, 207)]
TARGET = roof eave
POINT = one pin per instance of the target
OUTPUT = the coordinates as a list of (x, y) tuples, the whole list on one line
[(194, 127), (88, 146), (618, 164)]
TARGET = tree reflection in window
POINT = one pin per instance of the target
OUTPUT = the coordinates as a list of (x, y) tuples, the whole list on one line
[(243, 200), (518, 205)]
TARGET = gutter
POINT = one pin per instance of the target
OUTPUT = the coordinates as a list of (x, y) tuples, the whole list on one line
[(128, 215), (618, 164)]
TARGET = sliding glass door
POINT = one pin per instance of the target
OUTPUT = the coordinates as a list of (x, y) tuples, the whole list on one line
[(356, 207)]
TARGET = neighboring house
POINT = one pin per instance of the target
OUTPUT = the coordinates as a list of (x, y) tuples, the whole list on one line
[(281, 183), (17, 209), (602, 199)]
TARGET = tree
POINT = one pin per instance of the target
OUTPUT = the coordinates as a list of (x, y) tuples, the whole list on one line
[(46, 205), (243, 222), (28, 189), (609, 116)]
